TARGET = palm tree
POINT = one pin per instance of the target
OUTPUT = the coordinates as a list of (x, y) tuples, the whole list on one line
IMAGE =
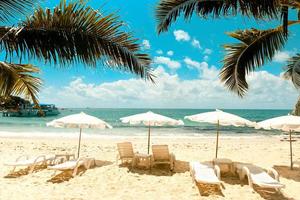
[(293, 73), (255, 47), (68, 34)]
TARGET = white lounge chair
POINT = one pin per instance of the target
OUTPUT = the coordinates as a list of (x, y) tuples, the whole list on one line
[(26, 161), (125, 153), (161, 155), (262, 178), (205, 173), (73, 165)]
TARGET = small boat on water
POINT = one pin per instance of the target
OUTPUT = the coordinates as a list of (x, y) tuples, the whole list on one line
[(29, 110)]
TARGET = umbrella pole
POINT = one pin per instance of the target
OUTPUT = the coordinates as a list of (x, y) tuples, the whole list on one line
[(217, 143), (291, 150), (79, 144), (149, 139)]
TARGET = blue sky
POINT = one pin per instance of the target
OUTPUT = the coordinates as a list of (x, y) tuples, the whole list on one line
[(186, 61)]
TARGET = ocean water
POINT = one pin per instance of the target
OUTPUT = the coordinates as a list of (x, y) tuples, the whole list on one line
[(35, 126)]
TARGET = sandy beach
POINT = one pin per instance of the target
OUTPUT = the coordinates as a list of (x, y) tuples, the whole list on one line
[(110, 181)]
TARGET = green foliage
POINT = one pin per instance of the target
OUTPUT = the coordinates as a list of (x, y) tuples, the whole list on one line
[(17, 79), (241, 58), (293, 70), (11, 8), (167, 11)]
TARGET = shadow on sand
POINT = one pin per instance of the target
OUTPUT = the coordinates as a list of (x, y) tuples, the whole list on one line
[(67, 175), (270, 194), (207, 190), (286, 172), (23, 172), (160, 170)]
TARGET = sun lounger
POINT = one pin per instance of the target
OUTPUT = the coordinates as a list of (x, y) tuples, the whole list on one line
[(73, 165), (261, 178), (125, 153), (205, 173), (225, 164), (161, 155), (25, 161)]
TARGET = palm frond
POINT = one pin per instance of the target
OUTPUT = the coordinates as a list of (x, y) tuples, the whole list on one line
[(17, 79), (285, 18), (11, 8), (74, 32), (294, 4), (256, 47), (293, 70), (167, 11)]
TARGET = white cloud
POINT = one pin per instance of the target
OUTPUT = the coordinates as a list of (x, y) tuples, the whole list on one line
[(205, 72), (282, 56), (159, 52), (266, 91), (196, 44), (207, 51), (170, 53), (181, 35), (205, 58), (146, 44), (171, 64)]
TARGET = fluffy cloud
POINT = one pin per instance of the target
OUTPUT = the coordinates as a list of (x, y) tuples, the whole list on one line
[(266, 91), (207, 51), (146, 44), (205, 58), (170, 53), (159, 51), (204, 71), (195, 43), (282, 56), (171, 64), (181, 35)]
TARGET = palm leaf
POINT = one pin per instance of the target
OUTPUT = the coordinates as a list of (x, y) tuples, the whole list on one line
[(17, 79), (11, 8), (285, 18), (73, 33), (293, 70), (167, 11), (256, 47)]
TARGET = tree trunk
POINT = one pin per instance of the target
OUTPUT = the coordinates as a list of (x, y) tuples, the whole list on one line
[(296, 110)]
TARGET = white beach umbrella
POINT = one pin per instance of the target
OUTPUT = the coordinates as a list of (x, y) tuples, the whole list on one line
[(220, 118), (150, 119), (286, 123), (80, 121)]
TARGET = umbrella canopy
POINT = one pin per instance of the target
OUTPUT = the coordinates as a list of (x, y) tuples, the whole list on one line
[(220, 118), (151, 119), (286, 123), (80, 121)]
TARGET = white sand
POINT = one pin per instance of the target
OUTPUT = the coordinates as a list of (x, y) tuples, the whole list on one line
[(110, 181)]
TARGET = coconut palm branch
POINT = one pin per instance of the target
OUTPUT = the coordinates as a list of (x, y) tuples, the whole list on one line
[(167, 11), (256, 47), (73, 33), (17, 79), (293, 70), (11, 8)]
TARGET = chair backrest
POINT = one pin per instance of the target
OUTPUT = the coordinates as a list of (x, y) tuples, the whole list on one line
[(125, 150), (160, 152)]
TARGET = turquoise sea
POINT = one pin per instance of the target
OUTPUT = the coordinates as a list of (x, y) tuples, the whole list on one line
[(34, 126)]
